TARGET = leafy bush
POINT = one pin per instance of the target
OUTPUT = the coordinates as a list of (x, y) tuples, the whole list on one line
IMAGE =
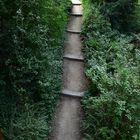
[(31, 35), (112, 104), (134, 21), (121, 13)]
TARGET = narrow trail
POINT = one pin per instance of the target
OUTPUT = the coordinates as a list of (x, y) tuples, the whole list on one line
[(66, 125)]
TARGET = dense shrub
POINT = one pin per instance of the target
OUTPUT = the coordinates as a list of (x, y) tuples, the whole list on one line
[(31, 35), (112, 104), (121, 13)]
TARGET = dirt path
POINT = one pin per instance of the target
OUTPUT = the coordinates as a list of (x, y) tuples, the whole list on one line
[(66, 125)]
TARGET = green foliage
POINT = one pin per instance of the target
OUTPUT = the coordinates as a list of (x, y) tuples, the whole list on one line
[(31, 35), (112, 104), (122, 13), (134, 21)]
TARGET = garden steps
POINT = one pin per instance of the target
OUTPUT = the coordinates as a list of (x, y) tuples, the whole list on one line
[(75, 23), (67, 119), (73, 46), (77, 10), (74, 78), (66, 124)]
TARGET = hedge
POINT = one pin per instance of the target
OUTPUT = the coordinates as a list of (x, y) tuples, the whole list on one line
[(112, 103), (31, 34)]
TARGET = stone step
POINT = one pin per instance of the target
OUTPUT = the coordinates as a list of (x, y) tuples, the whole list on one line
[(73, 45), (75, 23), (74, 78), (67, 120), (72, 93), (77, 10)]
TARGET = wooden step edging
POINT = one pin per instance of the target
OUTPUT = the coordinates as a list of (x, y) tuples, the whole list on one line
[(76, 3), (73, 58), (72, 93), (71, 31), (78, 15)]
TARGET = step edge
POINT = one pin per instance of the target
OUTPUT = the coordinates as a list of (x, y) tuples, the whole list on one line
[(77, 3), (75, 14), (72, 93), (73, 58), (71, 31)]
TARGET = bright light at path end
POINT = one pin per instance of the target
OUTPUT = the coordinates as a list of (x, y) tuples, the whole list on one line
[(76, 1)]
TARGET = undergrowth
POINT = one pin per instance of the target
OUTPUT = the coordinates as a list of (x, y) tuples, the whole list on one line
[(112, 103), (31, 34)]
